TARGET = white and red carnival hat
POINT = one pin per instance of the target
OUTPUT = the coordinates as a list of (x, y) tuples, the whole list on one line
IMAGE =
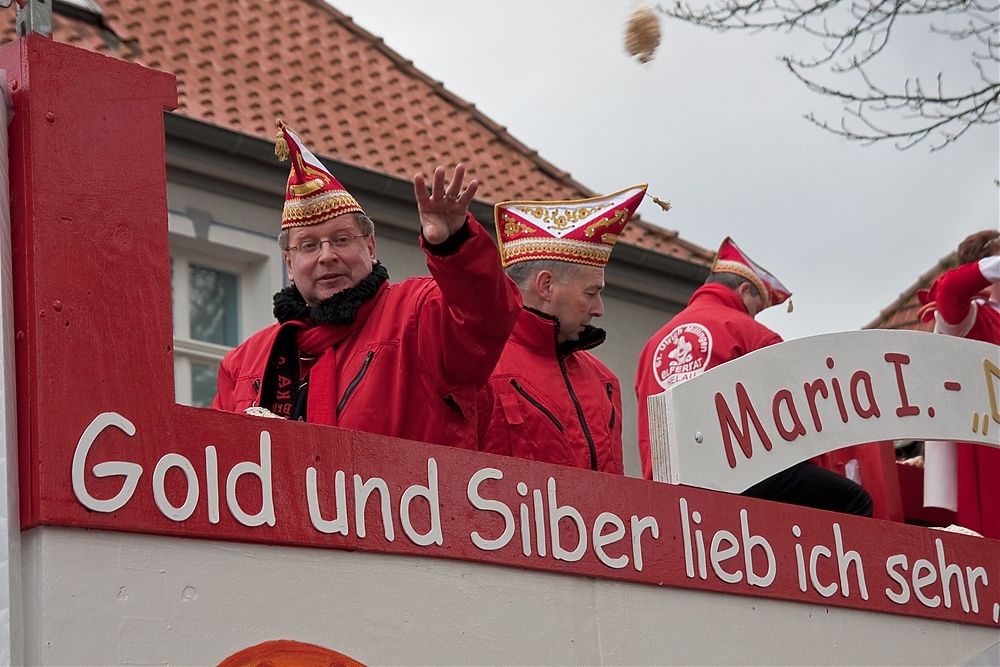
[(312, 194), (582, 231), (730, 259)]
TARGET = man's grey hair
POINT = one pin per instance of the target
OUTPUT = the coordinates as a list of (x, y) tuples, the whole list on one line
[(523, 273), (732, 281), (364, 223)]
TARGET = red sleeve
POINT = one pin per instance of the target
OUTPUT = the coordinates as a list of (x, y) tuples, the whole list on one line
[(956, 289), (226, 384), (464, 324), (770, 338)]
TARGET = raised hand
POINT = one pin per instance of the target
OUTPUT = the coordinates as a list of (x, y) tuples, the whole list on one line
[(443, 211)]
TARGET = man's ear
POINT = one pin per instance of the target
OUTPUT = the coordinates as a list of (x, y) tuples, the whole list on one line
[(371, 249), (543, 285), (745, 292), (288, 265)]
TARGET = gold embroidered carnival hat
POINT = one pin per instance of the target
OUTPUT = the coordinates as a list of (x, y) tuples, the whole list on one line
[(312, 195), (730, 259), (582, 231)]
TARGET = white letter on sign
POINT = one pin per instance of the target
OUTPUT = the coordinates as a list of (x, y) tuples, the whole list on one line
[(556, 514), (481, 503), (601, 540), (262, 472), (130, 471), (430, 494), (183, 512)]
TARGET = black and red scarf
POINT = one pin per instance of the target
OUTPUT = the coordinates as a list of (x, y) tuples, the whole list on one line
[(313, 332)]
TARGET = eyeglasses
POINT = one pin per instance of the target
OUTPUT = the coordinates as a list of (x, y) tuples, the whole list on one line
[(312, 247)]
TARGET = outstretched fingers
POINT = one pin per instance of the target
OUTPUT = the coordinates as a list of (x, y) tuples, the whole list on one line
[(443, 210), (438, 191), (469, 193), (455, 187), (420, 190)]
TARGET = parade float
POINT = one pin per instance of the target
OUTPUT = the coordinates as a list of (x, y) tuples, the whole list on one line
[(142, 531)]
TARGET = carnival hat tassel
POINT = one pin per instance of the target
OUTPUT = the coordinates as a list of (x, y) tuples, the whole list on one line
[(280, 145), (665, 205)]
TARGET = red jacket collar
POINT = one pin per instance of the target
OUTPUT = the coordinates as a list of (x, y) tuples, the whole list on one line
[(721, 293), (538, 331)]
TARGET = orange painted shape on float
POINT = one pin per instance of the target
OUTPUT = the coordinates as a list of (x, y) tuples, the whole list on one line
[(288, 653)]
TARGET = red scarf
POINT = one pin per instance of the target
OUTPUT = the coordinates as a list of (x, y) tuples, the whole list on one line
[(321, 341)]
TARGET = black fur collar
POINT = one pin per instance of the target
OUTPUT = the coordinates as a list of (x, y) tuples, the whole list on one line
[(589, 338), (341, 308)]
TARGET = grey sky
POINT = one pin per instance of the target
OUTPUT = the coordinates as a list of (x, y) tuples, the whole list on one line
[(715, 124)]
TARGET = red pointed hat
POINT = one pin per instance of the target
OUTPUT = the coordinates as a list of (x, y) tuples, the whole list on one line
[(312, 195), (582, 231), (730, 259)]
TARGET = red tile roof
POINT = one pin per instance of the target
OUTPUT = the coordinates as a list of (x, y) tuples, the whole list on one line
[(242, 63), (902, 313)]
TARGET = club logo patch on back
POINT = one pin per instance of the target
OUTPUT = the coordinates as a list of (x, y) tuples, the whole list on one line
[(682, 354)]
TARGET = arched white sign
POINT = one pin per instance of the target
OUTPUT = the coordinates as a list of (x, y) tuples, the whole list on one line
[(745, 420)]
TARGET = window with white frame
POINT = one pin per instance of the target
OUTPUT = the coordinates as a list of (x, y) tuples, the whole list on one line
[(222, 284)]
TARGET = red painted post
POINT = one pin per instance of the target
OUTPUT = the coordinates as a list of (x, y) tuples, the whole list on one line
[(88, 197)]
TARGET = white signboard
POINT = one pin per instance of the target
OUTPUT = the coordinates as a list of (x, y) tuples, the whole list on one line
[(745, 420)]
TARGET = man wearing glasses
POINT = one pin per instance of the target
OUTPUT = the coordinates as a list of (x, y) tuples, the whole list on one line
[(352, 350)]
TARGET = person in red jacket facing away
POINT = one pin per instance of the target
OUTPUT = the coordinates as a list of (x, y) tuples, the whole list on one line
[(717, 326), (965, 302), (352, 350), (549, 399)]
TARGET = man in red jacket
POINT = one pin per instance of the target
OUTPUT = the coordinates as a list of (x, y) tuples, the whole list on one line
[(717, 326), (549, 399), (965, 302), (352, 350)]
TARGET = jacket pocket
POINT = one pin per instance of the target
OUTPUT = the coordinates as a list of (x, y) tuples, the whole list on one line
[(511, 409), (611, 393), (246, 393), (356, 381), (541, 408)]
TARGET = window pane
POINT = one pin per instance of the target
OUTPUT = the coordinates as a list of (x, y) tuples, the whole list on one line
[(203, 384), (214, 303)]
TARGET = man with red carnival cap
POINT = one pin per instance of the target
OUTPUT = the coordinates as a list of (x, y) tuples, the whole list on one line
[(549, 399), (352, 350), (965, 302), (717, 326)]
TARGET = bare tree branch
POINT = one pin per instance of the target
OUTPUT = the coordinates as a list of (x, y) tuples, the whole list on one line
[(853, 34)]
